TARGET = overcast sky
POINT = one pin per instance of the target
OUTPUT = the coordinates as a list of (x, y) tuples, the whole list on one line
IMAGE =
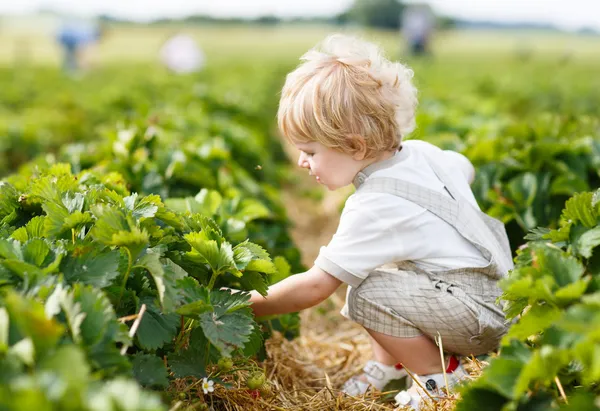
[(569, 14)]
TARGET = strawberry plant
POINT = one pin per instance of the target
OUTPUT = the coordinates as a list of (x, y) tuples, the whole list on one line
[(550, 357), (79, 252)]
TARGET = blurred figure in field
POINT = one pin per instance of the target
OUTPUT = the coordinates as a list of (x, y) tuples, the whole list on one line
[(181, 54), (418, 23), (75, 37)]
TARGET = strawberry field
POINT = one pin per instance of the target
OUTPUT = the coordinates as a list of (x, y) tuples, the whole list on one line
[(130, 197)]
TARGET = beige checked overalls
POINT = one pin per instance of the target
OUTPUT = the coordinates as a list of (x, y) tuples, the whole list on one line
[(403, 300)]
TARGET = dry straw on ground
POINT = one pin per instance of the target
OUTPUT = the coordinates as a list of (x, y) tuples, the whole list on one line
[(307, 373)]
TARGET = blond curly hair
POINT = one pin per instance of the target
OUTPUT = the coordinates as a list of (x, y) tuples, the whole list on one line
[(345, 87)]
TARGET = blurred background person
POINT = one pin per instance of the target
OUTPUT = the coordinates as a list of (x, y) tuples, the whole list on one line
[(181, 54), (418, 22), (74, 37)]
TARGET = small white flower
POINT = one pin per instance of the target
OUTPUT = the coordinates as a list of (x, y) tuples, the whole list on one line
[(207, 385)]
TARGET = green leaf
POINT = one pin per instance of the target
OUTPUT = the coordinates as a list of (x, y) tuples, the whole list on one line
[(24, 351), (543, 366), (225, 301), (122, 395), (151, 262), (588, 241), (9, 200), (228, 331), (263, 266), (209, 201), (100, 320), (533, 321), (572, 292), (502, 375), (35, 252), (145, 208), (29, 318), (579, 208), (69, 362), (192, 361), (114, 228), (242, 256), (257, 251), (63, 300), (4, 323), (195, 297), (473, 398), (156, 328), (255, 342), (10, 249), (252, 210), (252, 280), (284, 270), (219, 258), (565, 268), (96, 266), (150, 371)]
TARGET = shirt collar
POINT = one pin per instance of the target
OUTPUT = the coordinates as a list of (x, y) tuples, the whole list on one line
[(362, 175)]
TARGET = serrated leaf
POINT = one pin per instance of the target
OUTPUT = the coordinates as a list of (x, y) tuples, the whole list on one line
[(254, 343), (228, 331), (253, 280), (94, 267), (209, 201), (565, 268), (150, 371), (10, 249), (35, 252), (20, 235), (579, 208), (195, 297), (242, 256), (571, 292), (225, 301), (219, 258), (145, 207), (8, 200), (263, 266), (533, 321), (257, 251), (588, 241), (151, 262), (537, 234), (100, 323), (192, 361), (502, 375), (156, 328)]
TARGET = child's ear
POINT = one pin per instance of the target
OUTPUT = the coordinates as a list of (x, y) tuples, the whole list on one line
[(359, 145)]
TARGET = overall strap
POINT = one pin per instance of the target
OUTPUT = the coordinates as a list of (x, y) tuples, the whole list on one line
[(486, 234)]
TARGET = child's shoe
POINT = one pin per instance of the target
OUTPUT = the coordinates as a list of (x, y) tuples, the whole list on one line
[(415, 396), (377, 375)]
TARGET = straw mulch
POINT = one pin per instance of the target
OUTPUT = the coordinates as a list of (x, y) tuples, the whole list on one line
[(308, 372)]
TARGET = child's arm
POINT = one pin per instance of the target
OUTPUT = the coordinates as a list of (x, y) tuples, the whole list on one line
[(295, 293)]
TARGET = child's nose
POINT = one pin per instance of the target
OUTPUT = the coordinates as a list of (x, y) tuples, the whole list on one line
[(302, 162)]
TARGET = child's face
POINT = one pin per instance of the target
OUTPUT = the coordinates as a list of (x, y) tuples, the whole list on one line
[(330, 167)]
